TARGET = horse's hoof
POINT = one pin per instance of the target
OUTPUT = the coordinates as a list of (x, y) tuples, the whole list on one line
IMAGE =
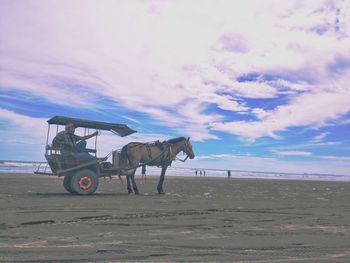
[(129, 191), (160, 190)]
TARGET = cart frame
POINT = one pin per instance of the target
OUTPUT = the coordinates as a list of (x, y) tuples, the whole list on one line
[(81, 177)]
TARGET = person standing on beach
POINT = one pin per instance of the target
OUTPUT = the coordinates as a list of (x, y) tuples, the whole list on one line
[(143, 172), (229, 174)]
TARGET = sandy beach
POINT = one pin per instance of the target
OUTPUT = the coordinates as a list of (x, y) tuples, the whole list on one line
[(199, 219)]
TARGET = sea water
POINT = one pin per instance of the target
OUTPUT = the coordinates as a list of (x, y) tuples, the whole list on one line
[(30, 167)]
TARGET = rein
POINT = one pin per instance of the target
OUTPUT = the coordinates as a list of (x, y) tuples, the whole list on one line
[(182, 160), (174, 157)]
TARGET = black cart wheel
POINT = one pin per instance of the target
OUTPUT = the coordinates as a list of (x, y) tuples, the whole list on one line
[(84, 182), (67, 183)]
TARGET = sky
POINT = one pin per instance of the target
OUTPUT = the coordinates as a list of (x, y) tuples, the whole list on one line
[(256, 85)]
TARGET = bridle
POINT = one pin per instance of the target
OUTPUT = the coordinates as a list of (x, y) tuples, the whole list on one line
[(187, 148)]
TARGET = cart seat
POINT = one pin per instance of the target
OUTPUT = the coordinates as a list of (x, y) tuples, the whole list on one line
[(56, 149)]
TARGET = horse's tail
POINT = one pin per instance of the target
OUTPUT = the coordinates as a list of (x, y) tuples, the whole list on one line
[(124, 156)]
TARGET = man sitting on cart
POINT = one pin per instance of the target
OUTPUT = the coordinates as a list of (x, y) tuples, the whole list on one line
[(70, 144)]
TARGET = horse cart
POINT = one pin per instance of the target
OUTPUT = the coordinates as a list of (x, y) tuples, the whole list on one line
[(82, 176)]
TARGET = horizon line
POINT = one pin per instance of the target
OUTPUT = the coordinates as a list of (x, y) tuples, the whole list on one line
[(210, 169)]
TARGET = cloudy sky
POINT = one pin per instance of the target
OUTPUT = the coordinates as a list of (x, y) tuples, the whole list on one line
[(257, 85)]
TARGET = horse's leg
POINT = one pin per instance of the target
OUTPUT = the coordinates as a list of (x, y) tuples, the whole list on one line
[(161, 180), (129, 184), (134, 186)]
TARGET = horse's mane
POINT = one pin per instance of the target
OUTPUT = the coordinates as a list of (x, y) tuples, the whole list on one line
[(175, 140)]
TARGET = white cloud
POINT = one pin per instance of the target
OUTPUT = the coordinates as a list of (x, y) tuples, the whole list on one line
[(305, 109), (320, 137), (293, 153), (335, 158), (344, 122), (260, 90), (312, 145), (131, 119), (164, 54), (23, 128), (21, 136)]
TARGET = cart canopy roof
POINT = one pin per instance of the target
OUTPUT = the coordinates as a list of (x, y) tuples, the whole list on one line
[(119, 129)]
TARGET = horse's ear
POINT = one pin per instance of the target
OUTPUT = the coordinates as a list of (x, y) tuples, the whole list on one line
[(188, 139)]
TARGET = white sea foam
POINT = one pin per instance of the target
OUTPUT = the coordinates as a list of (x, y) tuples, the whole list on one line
[(17, 167)]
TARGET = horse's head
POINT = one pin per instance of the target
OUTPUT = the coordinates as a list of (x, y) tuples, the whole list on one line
[(187, 148)]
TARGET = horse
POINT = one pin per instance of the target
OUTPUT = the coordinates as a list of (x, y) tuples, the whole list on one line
[(160, 154)]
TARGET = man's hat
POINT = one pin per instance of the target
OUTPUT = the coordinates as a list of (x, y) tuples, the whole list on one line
[(69, 125)]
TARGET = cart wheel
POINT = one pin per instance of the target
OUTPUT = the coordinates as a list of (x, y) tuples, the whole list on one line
[(84, 182), (67, 183)]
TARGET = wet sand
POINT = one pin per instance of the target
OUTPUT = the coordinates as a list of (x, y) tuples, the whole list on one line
[(198, 220)]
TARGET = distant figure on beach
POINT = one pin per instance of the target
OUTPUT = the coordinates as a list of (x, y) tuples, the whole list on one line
[(229, 174), (143, 171), (200, 173), (196, 172), (70, 144), (203, 172)]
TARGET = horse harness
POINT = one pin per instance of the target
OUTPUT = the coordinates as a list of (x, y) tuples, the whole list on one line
[(156, 144), (166, 156), (165, 159)]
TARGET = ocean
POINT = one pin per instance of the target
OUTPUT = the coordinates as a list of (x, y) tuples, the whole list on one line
[(30, 167)]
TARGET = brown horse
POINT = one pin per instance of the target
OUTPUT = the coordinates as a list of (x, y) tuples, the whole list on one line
[(159, 154)]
